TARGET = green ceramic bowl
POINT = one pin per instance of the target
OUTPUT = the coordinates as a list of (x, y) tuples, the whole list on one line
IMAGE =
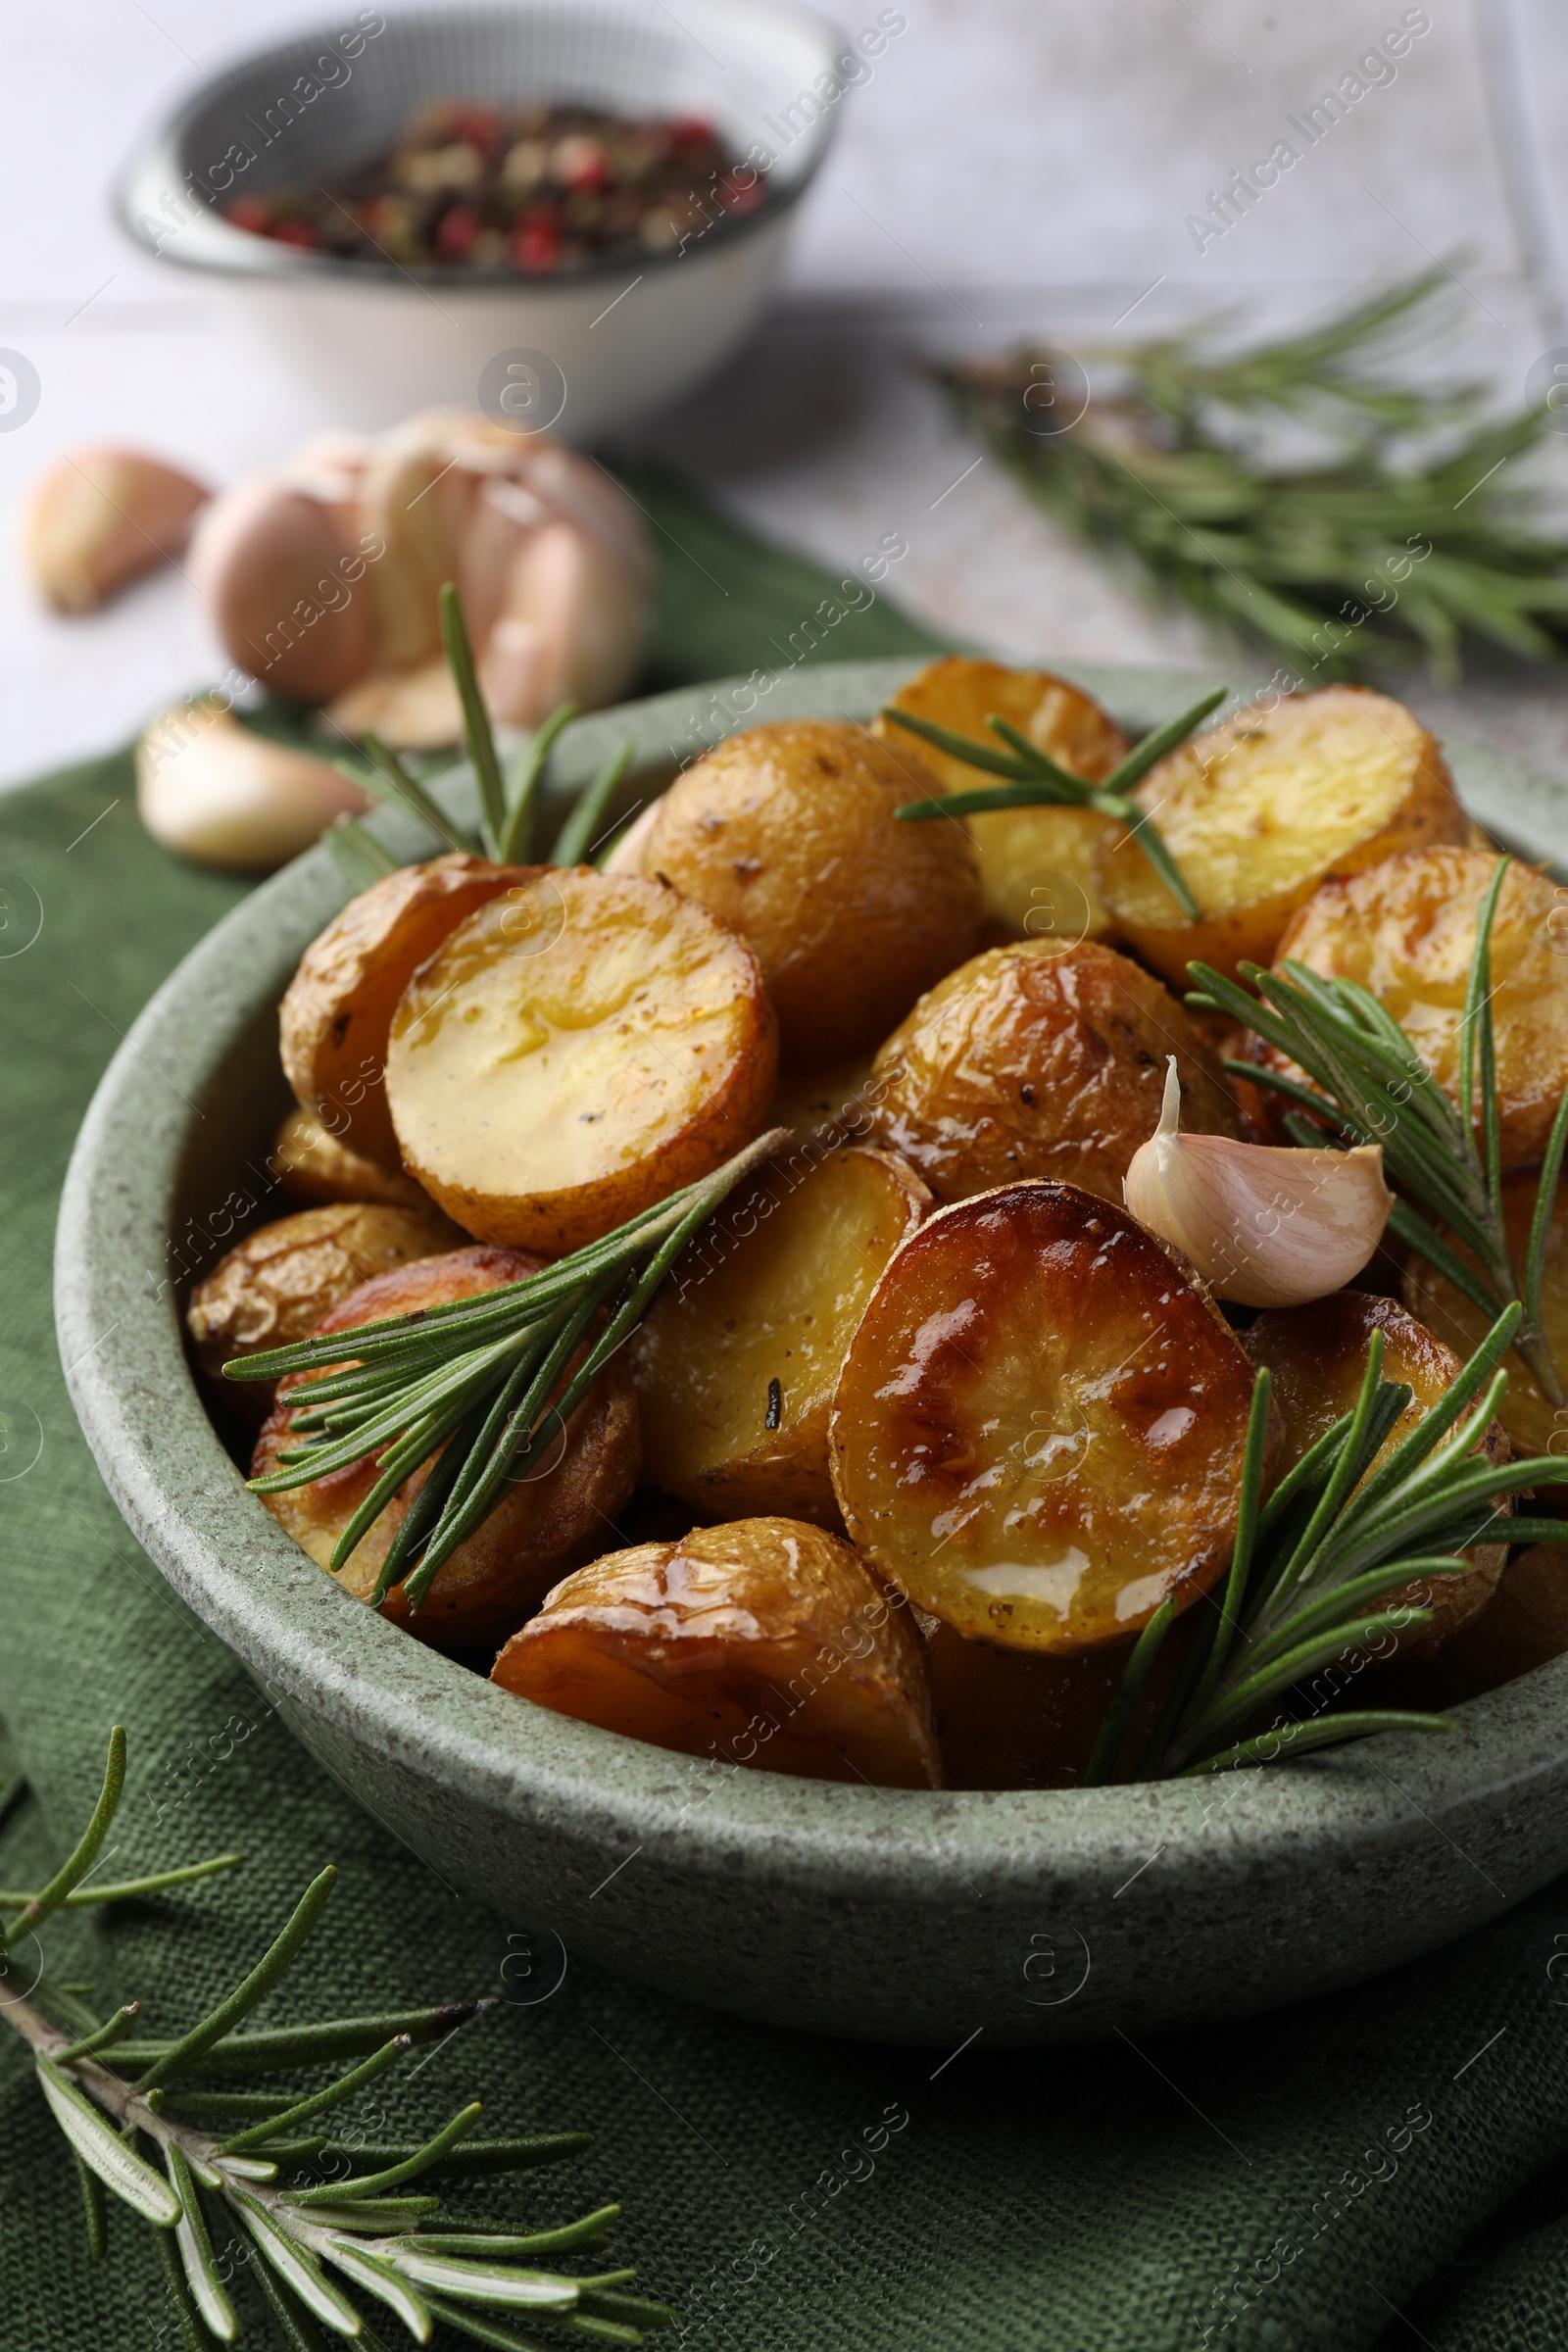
[(880, 1914)]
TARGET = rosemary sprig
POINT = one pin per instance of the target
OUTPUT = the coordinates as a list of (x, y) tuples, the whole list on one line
[(1313, 1560), (1034, 782), (1369, 1083), (150, 2143), (507, 821), (489, 1380), (1370, 555)]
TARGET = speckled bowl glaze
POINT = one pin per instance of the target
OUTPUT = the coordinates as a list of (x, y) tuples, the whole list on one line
[(880, 1914)]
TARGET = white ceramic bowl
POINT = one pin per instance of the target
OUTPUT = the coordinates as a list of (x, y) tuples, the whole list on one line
[(594, 351)]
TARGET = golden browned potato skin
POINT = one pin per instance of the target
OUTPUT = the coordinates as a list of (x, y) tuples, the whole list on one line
[(275, 1286), (1261, 809), (575, 1052), (765, 1643), (1037, 865), (314, 1168), (1027, 1063), (1039, 1428), (1317, 1354), (1525, 1625), (788, 833), (769, 1292), (337, 1013), (1407, 930), (546, 1522), (1534, 1425)]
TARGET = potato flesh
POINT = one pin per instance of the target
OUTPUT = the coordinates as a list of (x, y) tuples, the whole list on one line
[(1263, 809), (1317, 1356), (1037, 865), (1026, 1062), (275, 1287), (1407, 930), (1039, 1429), (765, 1643), (574, 1051), (769, 1293), (1534, 1425), (546, 1521), (789, 834), (338, 1009)]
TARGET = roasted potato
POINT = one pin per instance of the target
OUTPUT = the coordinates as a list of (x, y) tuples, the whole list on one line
[(1526, 1624), (1039, 1428), (788, 834), (549, 1520), (1534, 1425), (574, 1051), (1317, 1355), (1037, 865), (338, 1009), (1027, 1063), (827, 1107), (1265, 806), (764, 1643), (1407, 930), (737, 1362), (314, 1168), (284, 1277)]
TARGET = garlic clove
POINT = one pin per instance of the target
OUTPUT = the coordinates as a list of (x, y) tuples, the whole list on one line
[(286, 587), (1262, 1225), (626, 858), (571, 627), (217, 793), (100, 518), (411, 709)]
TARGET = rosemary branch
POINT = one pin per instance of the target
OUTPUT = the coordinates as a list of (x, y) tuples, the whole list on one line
[(1415, 531), (1369, 1083), (180, 2157), (482, 1383), (1034, 780), (1311, 1561)]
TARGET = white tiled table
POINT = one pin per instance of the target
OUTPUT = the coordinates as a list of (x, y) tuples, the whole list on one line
[(1013, 166)]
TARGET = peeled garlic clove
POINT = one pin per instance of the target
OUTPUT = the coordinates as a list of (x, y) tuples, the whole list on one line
[(571, 627), (287, 589), (1264, 1226), (222, 795), (99, 519), (626, 858)]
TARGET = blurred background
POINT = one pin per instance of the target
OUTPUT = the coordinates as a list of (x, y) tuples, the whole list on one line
[(1006, 168)]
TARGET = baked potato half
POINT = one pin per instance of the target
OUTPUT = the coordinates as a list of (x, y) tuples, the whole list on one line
[(1037, 865), (765, 1643), (547, 1521), (574, 1051), (1261, 809), (1533, 1424), (275, 1286), (788, 834), (314, 1168), (738, 1359), (1525, 1625), (1039, 1429), (1317, 1356), (337, 1013), (1029, 1062), (1407, 930)]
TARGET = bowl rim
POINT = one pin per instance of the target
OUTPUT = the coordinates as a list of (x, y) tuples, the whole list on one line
[(308, 1642), (209, 245)]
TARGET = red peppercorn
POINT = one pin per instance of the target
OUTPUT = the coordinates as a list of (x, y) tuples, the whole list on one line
[(456, 231), (480, 126), (536, 243), (252, 212), (296, 232), (738, 196), (691, 131)]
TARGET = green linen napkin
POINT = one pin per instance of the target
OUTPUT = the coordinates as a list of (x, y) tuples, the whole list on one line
[(1290, 2183)]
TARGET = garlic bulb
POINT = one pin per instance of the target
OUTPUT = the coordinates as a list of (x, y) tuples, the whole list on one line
[(1262, 1225), (101, 518), (222, 795)]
